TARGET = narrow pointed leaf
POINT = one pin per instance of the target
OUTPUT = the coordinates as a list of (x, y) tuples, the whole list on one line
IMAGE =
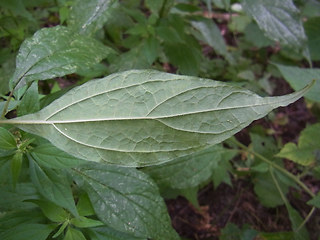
[(54, 52), (145, 117), (126, 199)]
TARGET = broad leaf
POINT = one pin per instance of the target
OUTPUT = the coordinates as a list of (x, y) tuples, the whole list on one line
[(125, 199), (54, 52), (280, 20), (88, 16), (103, 233), (307, 149), (312, 27), (299, 77), (145, 117)]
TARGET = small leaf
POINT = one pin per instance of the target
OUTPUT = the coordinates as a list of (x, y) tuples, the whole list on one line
[(125, 199), (145, 117), (53, 186), (298, 77), (54, 52), (83, 222), (16, 163), (308, 146), (315, 201), (296, 221), (61, 229), (32, 231), (7, 140), (52, 211), (30, 102), (49, 156), (88, 16), (74, 234), (280, 20), (84, 206)]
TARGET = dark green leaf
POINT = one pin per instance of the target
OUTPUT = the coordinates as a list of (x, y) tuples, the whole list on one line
[(83, 222), (315, 201), (126, 199), (280, 20), (30, 102), (103, 233), (16, 163), (53, 186), (49, 156), (145, 117), (74, 234), (298, 77), (32, 231), (52, 211), (296, 221), (7, 140), (54, 52), (84, 206), (312, 28)]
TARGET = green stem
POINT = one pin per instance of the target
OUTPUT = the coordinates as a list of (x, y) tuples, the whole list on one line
[(276, 166), (5, 109)]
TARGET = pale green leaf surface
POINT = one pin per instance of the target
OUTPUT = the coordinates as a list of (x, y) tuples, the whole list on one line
[(145, 117), (305, 152), (126, 199), (88, 16), (54, 52), (279, 19), (299, 77)]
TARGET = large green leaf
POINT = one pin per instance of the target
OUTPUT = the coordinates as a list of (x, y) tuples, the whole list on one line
[(280, 20), (299, 77), (54, 52), (126, 199), (307, 149), (32, 231), (145, 117), (102, 233), (88, 16)]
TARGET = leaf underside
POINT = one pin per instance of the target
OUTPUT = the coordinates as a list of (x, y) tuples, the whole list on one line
[(146, 117)]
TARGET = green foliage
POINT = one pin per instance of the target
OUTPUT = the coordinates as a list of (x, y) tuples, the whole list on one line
[(69, 154)]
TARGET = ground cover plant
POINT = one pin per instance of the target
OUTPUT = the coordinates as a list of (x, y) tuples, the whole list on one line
[(112, 127)]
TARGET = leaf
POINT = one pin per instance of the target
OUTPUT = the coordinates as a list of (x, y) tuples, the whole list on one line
[(83, 222), (74, 234), (280, 21), (188, 171), (16, 163), (7, 140), (296, 221), (308, 146), (54, 52), (49, 156), (145, 117), (32, 231), (312, 28), (53, 186), (30, 102), (125, 199), (84, 206), (315, 201), (52, 211), (88, 16), (103, 233), (212, 35), (298, 77)]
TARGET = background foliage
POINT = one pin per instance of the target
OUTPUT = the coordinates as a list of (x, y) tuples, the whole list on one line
[(51, 47)]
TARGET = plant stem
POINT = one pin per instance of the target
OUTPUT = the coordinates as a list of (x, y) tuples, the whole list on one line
[(4, 112), (276, 166)]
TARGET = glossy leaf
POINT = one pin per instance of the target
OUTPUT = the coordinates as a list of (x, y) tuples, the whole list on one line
[(280, 20), (307, 149), (298, 77), (54, 52), (88, 16), (53, 186), (125, 199), (145, 117)]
